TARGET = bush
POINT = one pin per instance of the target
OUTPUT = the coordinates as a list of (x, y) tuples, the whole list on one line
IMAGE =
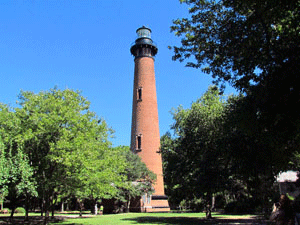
[(4, 211), (183, 204), (20, 210), (241, 207), (196, 205), (220, 202)]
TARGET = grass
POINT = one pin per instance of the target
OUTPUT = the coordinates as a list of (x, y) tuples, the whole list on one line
[(163, 219), (134, 218), (139, 218)]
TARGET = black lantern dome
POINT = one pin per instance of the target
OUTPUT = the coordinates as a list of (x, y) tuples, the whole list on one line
[(143, 46)]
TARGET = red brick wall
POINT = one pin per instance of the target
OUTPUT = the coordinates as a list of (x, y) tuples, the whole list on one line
[(145, 120)]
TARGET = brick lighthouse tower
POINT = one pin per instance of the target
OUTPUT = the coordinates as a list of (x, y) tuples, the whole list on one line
[(145, 139)]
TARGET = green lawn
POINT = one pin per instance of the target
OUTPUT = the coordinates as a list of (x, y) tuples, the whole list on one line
[(163, 219), (138, 218)]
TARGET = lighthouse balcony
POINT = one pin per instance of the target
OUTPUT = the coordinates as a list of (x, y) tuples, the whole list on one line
[(143, 49)]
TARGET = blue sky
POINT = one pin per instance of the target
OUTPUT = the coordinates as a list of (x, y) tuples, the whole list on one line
[(84, 45)]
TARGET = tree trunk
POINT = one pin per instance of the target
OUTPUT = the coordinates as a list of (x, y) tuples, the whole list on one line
[(52, 211), (45, 220), (42, 206), (46, 209), (12, 213), (26, 207), (128, 205), (213, 204), (96, 208), (80, 206), (62, 206), (208, 206), (53, 201), (80, 211)]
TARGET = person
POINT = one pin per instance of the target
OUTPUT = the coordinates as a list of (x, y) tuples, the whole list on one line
[(208, 211), (101, 209), (283, 212)]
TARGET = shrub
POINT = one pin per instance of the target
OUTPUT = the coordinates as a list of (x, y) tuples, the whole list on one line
[(20, 210), (4, 211), (197, 205), (242, 206), (220, 202), (183, 204)]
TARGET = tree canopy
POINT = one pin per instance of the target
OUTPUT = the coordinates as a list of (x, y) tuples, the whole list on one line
[(139, 179), (220, 147), (16, 174), (52, 146), (61, 137), (243, 42), (254, 46), (194, 162)]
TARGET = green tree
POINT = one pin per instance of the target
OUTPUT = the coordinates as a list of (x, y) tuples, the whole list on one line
[(200, 168), (171, 170), (64, 142), (242, 42), (256, 153), (102, 175), (16, 174), (253, 45), (212, 154), (139, 179)]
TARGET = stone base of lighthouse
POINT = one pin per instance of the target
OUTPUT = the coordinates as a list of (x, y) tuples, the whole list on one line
[(155, 202), (152, 203)]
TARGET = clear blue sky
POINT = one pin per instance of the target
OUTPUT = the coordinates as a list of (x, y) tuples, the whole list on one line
[(84, 45)]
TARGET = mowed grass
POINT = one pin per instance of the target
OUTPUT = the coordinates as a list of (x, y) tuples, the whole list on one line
[(136, 218), (163, 219)]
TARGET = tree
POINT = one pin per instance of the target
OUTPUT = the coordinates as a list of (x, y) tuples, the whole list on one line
[(219, 148), (253, 45), (102, 175), (16, 174), (172, 170), (242, 42), (139, 179), (54, 143), (64, 142), (255, 153), (194, 161)]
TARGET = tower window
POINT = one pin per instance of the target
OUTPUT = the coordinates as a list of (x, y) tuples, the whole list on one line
[(139, 94), (139, 143)]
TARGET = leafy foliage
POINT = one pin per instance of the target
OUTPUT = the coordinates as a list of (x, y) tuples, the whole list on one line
[(253, 45), (53, 146), (194, 165), (219, 149), (16, 174), (242, 42), (61, 138), (139, 179)]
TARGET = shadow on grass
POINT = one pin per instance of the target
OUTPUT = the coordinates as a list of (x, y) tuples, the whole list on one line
[(33, 220), (194, 221)]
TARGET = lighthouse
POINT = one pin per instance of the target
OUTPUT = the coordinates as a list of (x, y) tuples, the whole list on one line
[(145, 138)]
